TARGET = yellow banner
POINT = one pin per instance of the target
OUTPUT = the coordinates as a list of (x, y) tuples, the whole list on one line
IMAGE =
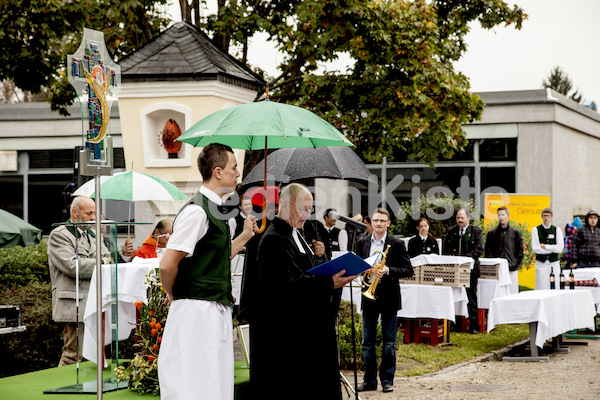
[(525, 209)]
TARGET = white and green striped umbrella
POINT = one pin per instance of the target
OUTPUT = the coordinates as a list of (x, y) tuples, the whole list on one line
[(131, 186)]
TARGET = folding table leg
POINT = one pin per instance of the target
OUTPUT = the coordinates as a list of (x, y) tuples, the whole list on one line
[(533, 348)]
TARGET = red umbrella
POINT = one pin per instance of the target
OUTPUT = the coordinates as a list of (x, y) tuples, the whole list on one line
[(257, 195)]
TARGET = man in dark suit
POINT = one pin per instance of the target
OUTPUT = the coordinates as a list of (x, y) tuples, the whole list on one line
[(387, 302), (466, 240)]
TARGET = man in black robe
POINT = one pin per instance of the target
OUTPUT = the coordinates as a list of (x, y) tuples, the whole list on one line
[(293, 352)]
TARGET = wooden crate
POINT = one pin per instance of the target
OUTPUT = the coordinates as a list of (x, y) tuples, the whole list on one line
[(489, 271), (413, 280), (456, 275)]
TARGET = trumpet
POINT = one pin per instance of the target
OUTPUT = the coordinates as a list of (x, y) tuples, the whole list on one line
[(369, 293)]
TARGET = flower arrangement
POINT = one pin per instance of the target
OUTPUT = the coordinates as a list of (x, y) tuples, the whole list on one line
[(142, 372)]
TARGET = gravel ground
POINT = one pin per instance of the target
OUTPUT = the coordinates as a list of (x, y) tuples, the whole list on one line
[(573, 376)]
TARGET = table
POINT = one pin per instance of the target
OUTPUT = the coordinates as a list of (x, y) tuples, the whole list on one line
[(548, 313), (488, 289), (585, 274), (433, 259), (122, 285), (423, 301)]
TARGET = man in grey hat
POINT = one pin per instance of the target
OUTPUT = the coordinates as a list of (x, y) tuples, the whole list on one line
[(547, 242), (585, 245)]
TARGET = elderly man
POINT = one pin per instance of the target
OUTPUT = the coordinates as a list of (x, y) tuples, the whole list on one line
[(66, 245), (293, 310)]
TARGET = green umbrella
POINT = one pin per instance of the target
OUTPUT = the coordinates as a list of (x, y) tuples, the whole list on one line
[(251, 126), (16, 232), (264, 125)]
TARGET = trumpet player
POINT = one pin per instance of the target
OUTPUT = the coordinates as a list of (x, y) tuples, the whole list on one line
[(387, 301)]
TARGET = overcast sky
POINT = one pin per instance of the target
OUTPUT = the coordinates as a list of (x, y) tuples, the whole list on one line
[(557, 32)]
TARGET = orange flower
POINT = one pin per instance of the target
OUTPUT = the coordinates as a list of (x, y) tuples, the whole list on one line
[(159, 339), (151, 357), (155, 347), (158, 326), (153, 332), (138, 304), (152, 324)]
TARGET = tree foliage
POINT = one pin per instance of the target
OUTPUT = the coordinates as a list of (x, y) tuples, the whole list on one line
[(561, 82), (401, 98), (37, 35)]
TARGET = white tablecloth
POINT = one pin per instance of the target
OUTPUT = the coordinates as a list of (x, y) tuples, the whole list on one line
[(423, 301), (585, 274), (488, 289), (555, 311), (131, 280), (433, 259)]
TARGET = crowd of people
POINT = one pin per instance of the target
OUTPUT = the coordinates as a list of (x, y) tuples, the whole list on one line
[(289, 309)]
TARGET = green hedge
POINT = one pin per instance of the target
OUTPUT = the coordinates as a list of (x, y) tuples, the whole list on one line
[(40, 346), (21, 265)]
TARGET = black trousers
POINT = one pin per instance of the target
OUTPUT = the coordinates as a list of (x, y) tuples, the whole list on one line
[(472, 302)]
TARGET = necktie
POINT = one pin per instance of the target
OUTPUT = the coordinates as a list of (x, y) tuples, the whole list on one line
[(460, 239)]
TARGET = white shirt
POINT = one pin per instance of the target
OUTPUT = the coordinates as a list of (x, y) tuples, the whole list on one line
[(550, 248), (297, 239), (191, 225), (377, 246), (342, 238)]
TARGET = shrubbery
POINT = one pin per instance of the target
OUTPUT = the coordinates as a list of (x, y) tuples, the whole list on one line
[(21, 265), (39, 347)]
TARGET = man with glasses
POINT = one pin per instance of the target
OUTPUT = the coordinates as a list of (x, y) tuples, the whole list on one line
[(158, 239), (386, 304), (547, 243), (292, 310)]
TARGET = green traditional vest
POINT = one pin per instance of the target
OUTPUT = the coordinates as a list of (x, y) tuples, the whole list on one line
[(206, 274), (544, 236)]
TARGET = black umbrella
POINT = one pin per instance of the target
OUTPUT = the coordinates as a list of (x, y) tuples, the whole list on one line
[(293, 164)]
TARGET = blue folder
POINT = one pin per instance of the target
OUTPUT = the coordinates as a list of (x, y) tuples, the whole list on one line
[(353, 264)]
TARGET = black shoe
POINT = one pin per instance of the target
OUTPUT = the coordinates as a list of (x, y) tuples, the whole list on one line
[(364, 387), (387, 387), (475, 331)]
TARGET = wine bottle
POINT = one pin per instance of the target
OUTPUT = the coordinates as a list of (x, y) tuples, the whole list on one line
[(571, 280), (562, 280), (552, 279)]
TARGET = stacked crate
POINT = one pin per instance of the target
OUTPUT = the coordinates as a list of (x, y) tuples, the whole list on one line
[(413, 280), (456, 275), (489, 271), (407, 326), (429, 331)]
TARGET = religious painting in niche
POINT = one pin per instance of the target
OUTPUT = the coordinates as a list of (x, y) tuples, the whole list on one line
[(168, 135)]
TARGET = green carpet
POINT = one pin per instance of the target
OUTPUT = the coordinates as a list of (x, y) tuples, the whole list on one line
[(32, 385)]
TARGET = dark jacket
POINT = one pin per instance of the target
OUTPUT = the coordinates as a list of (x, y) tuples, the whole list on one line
[(505, 243), (398, 261), (417, 247), (472, 245)]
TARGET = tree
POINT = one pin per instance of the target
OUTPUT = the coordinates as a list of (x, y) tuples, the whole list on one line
[(37, 35), (558, 80), (401, 95)]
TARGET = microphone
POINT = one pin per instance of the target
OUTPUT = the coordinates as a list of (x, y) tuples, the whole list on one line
[(356, 224)]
